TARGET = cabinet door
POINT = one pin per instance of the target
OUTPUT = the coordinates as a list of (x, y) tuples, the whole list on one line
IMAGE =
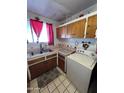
[(76, 29), (57, 33), (37, 69), (71, 30), (91, 27), (52, 63), (80, 28), (61, 63), (61, 32)]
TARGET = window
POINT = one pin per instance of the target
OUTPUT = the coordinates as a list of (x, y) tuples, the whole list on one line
[(32, 36), (29, 33), (43, 35)]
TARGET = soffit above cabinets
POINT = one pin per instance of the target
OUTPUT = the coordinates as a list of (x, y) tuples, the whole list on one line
[(58, 10)]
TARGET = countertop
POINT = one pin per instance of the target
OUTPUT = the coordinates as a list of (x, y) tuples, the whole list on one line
[(40, 55), (61, 50)]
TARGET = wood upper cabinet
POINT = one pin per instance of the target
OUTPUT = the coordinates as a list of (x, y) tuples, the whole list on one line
[(64, 32), (58, 34), (70, 30), (91, 27), (61, 32), (77, 29), (80, 28), (73, 30)]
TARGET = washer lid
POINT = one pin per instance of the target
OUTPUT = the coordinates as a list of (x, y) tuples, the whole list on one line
[(83, 60)]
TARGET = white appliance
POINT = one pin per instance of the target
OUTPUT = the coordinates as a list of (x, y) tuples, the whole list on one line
[(79, 68)]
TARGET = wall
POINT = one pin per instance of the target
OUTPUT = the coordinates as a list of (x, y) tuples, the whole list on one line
[(86, 11)]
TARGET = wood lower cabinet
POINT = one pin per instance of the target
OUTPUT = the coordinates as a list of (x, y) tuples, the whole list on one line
[(61, 62), (37, 69), (76, 29), (42, 67), (91, 27), (51, 63)]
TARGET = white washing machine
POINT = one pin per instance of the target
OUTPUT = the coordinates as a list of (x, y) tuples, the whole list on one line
[(79, 68)]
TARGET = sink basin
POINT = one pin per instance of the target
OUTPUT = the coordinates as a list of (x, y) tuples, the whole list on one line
[(46, 50), (33, 54)]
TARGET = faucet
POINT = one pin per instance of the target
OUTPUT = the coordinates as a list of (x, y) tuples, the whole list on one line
[(32, 53), (41, 48)]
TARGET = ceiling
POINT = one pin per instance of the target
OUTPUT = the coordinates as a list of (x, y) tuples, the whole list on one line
[(58, 10)]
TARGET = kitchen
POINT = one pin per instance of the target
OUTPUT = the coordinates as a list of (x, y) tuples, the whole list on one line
[(62, 46)]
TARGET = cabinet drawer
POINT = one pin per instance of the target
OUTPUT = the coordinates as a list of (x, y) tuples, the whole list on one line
[(36, 60)]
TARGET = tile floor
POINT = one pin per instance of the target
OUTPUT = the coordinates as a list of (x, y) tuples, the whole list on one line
[(58, 84)]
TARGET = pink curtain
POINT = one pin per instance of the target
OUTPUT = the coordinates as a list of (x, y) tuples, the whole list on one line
[(37, 26), (50, 34)]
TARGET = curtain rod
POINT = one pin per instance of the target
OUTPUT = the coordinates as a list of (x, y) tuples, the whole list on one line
[(28, 19), (42, 21)]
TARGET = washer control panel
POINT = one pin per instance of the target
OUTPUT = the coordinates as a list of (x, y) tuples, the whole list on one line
[(80, 51)]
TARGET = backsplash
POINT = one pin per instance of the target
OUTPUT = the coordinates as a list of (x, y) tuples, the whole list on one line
[(31, 47), (72, 42), (36, 47), (75, 41)]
